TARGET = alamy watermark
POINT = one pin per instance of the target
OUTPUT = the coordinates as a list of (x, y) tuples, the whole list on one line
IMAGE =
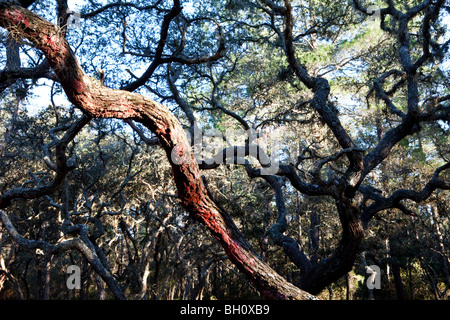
[(74, 20), (74, 280), (374, 278), (374, 12)]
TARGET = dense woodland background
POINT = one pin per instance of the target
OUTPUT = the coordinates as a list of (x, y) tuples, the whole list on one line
[(225, 65)]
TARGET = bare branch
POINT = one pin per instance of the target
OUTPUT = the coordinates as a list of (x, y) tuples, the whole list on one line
[(378, 87), (319, 164), (277, 231), (121, 4), (61, 167), (176, 9), (148, 141), (393, 201), (81, 244)]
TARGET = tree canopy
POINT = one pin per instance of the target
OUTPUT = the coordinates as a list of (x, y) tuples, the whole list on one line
[(225, 149)]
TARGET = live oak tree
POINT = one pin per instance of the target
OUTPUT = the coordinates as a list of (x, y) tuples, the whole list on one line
[(307, 68)]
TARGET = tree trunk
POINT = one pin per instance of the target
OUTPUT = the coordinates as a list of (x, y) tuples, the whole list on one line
[(442, 250), (396, 269), (341, 262), (314, 236), (47, 269)]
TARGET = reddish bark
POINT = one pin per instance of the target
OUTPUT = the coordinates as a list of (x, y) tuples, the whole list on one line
[(99, 101)]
